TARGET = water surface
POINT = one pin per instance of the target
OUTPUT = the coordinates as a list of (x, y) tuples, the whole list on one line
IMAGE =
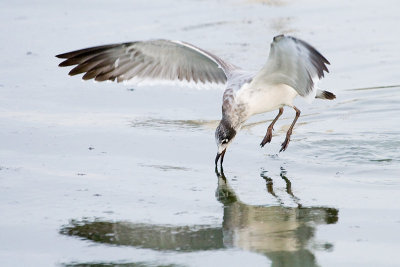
[(98, 174)]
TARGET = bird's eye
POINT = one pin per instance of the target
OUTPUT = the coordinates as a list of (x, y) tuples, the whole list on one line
[(225, 141)]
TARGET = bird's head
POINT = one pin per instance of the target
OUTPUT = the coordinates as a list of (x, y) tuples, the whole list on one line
[(224, 134)]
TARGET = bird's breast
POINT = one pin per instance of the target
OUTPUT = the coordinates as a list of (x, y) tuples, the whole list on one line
[(263, 99)]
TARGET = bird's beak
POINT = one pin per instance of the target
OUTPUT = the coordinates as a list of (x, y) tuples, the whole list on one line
[(220, 155)]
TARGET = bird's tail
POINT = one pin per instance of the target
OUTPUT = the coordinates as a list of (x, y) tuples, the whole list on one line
[(325, 95)]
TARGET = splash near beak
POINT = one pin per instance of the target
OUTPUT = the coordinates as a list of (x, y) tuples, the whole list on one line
[(220, 155)]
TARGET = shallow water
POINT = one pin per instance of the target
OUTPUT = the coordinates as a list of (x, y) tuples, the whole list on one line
[(95, 174)]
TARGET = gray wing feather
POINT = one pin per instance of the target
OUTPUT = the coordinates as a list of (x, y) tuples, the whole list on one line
[(155, 60), (293, 62)]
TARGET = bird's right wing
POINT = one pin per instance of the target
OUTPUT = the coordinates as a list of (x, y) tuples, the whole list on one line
[(295, 63), (148, 61)]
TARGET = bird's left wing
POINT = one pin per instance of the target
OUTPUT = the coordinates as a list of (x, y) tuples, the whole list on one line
[(295, 63), (148, 61)]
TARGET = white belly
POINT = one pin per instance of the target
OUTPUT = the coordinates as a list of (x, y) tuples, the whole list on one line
[(268, 98)]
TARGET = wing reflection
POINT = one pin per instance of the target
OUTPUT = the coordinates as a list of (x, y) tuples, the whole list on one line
[(157, 237), (120, 264), (284, 234)]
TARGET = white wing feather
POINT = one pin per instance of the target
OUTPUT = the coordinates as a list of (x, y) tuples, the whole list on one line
[(295, 63), (149, 62)]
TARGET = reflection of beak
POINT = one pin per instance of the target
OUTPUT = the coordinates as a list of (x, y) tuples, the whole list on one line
[(222, 154)]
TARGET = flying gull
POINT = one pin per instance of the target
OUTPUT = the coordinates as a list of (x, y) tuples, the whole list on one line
[(293, 68)]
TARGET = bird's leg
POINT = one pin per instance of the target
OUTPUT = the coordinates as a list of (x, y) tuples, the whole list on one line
[(270, 187), (289, 132), (289, 188), (268, 135)]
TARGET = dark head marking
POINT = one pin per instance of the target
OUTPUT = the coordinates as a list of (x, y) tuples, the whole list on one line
[(224, 132)]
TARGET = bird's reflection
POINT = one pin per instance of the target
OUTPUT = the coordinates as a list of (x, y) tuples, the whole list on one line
[(283, 234), (270, 187)]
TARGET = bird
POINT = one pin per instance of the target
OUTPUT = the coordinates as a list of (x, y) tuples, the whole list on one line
[(292, 69)]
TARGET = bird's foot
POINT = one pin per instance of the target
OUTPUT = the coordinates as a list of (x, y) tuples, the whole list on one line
[(285, 144), (267, 137)]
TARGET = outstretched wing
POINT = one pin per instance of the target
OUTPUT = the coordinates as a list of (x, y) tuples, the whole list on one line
[(295, 63), (148, 61)]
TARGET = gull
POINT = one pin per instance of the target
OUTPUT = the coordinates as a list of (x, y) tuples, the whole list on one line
[(293, 69)]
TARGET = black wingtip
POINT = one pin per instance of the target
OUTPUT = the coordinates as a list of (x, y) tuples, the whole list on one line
[(63, 55), (328, 95), (64, 63)]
